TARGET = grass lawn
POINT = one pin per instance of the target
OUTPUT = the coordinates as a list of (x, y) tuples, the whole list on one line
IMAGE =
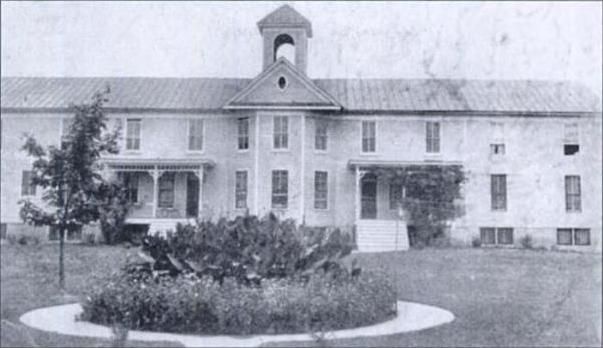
[(499, 297), (29, 280)]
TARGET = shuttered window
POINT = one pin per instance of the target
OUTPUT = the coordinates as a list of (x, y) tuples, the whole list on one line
[(241, 189), (243, 133), (368, 136), (195, 135), (320, 138), (281, 132), (27, 187), (321, 190), (166, 190), (573, 199), (498, 191), (432, 137), (133, 128), (280, 189)]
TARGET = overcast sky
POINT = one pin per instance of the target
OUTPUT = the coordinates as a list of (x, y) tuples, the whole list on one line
[(407, 40)]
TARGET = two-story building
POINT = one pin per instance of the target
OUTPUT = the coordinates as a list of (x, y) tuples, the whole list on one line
[(309, 148)]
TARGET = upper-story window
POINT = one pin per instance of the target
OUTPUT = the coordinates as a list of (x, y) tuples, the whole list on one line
[(281, 132), (321, 190), (27, 186), (320, 136), (571, 141), (369, 134), (133, 130), (497, 142), (243, 133), (498, 191), (432, 137), (195, 135), (280, 189), (573, 195)]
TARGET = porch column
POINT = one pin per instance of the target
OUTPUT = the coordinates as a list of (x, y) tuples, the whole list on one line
[(200, 205), (358, 194), (155, 175)]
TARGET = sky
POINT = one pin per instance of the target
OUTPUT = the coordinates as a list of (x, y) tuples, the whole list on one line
[(475, 40)]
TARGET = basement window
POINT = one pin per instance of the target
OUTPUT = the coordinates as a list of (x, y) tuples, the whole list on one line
[(571, 149)]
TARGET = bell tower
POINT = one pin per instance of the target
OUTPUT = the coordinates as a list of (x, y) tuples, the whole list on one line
[(285, 28)]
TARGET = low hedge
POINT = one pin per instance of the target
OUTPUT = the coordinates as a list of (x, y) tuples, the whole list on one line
[(188, 304)]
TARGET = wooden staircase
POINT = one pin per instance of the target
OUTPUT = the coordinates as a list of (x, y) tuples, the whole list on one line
[(380, 235)]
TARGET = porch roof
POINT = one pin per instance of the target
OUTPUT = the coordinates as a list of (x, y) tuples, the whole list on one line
[(172, 164), (376, 163)]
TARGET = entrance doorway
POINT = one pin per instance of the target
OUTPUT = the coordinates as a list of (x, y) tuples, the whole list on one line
[(192, 195), (368, 207)]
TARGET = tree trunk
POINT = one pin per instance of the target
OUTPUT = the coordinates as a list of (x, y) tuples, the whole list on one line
[(61, 258)]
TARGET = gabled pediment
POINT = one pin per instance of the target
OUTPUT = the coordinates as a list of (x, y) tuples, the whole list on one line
[(282, 86)]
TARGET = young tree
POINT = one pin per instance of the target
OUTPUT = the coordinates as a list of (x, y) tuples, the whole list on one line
[(70, 175)]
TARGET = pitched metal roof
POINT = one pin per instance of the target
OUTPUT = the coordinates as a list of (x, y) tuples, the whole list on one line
[(285, 16), (370, 95)]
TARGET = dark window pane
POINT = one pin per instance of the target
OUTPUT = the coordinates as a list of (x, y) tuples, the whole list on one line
[(487, 235), (582, 236), (505, 236), (564, 236), (571, 149)]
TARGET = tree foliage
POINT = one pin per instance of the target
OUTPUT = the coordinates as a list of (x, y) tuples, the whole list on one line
[(431, 197), (70, 174)]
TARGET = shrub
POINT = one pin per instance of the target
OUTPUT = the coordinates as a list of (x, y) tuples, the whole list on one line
[(204, 306), (476, 242), (88, 238), (113, 211), (26, 240), (526, 242), (248, 249)]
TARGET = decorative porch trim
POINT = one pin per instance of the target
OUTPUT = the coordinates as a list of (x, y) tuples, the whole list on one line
[(368, 163)]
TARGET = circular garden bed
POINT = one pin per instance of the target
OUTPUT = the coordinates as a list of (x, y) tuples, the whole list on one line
[(247, 276)]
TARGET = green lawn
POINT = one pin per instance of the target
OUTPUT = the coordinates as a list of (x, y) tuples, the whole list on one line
[(499, 297)]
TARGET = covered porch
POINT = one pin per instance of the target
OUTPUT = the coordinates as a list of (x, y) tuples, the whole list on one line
[(162, 192), (380, 220)]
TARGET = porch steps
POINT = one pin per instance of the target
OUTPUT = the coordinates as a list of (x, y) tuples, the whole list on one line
[(162, 226), (380, 235)]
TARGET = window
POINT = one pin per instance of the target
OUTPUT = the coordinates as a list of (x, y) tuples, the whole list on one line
[(280, 191), (497, 149), (487, 235), (368, 136), (498, 191), (3, 231), (241, 189), (131, 183), (504, 235), (564, 236), (573, 236), (496, 235), (281, 132), (571, 139), (395, 195), (133, 134), (166, 190), (321, 190), (572, 193), (66, 124), (27, 187), (432, 137), (582, 236), (571, 149), (195, 135), (320, 137), (243, 133)]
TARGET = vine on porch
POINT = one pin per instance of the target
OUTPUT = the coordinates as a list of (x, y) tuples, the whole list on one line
[(430, 200)]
